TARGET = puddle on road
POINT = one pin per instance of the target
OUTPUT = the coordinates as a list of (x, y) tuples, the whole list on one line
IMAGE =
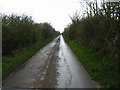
[(65, 76)]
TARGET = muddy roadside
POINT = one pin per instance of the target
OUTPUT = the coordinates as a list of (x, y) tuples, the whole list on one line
[(36, 72), (49, 76)]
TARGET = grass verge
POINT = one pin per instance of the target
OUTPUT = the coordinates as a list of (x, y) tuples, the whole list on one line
[(102, 68), (10, 63)]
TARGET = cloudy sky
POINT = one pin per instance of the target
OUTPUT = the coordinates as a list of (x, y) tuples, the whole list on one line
[(56, 12)]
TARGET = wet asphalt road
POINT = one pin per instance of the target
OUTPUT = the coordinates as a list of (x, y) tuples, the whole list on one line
[(54, 66)]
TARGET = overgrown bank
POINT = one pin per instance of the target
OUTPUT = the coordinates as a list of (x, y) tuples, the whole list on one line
[(22, 38), (95, 38), (102, 68), (10, 63)]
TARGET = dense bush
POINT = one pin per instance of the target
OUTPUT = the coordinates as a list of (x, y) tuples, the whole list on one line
[(99, 30), (22, 31)]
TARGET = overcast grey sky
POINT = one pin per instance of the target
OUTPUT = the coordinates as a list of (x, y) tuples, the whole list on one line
[(56, 12)]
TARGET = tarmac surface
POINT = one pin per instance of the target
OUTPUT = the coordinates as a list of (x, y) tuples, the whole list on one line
[(54, 66)]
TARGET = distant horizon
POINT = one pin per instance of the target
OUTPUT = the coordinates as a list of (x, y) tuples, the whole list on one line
[(55, 12)]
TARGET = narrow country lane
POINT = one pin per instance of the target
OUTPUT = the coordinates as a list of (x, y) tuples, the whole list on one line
[(54, 66)]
